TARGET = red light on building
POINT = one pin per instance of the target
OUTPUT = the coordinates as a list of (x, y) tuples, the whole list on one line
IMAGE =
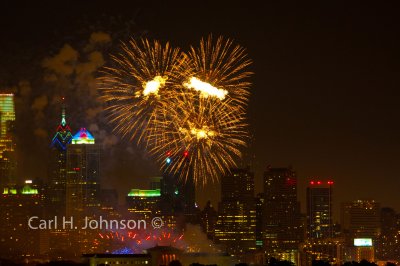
[(319, 182), (312, 183), (330, 182), (186, 153), (76, 169), (168, 153)]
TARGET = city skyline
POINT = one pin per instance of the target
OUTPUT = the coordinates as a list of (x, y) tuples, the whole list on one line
[(268, 129), (327, 118)]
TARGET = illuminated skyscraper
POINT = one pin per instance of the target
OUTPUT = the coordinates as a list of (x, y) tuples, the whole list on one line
[(236, 224), (319, 210), (143, 204), (7, 143), (83, 187), (283, 229), (58, 165), (83, 174)]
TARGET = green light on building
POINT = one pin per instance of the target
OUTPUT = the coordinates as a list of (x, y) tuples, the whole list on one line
[(8, 191), (144, 193), (27, 190)]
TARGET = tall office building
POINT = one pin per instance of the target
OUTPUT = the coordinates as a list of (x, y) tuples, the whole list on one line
[(178, 200), (283, 230), (260, 219), (83, 174), (389, 238), (58, 166), (7, 142), (236, 224), (143, 203), (360, 219), (319, 210), (18, 204), (83, 187), (208, 219), (361, 223)]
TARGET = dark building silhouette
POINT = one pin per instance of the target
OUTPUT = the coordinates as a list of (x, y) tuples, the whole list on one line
[(360, 219), (177, 203), (319, 209), (389, 238), (208, 219), (283, 230), (236, 225), (260, 203)]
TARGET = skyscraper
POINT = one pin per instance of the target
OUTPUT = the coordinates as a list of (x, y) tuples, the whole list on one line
[(7, 142), (18, 205), (283, 229), (389, 244), (360, 219), (58, 165), (236, 224), (83, 174), (319, 209), (83, 187), (208, 218), (143, 203)]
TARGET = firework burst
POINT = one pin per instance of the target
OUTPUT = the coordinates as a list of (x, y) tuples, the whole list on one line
[(189, 109), (140, 84), (219, 70), (202, 141)]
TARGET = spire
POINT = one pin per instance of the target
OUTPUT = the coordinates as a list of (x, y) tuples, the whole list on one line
[(63, 120), (63, 134)]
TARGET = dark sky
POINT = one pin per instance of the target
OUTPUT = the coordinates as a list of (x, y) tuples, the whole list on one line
[(325, 94)]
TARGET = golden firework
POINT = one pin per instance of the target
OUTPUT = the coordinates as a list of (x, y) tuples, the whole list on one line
[(202, 141), (219, 70), (141, 82), (189, 110)]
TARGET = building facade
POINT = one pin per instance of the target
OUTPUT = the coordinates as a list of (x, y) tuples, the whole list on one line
[(282, 227), (82, 188), (8, 162), (319, 210), (236, 224)]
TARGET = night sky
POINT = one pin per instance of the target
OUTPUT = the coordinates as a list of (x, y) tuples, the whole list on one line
[(324, 100)]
